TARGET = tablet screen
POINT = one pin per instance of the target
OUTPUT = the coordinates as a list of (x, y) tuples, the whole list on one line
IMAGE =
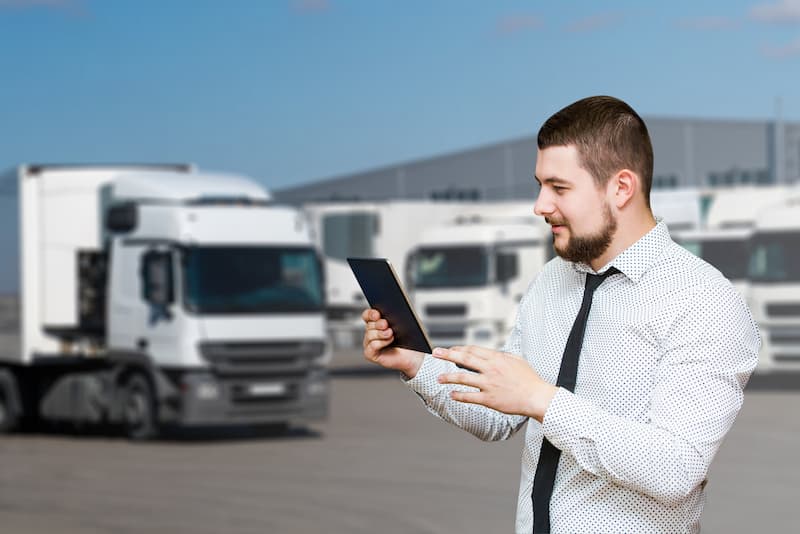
[(384, 293)]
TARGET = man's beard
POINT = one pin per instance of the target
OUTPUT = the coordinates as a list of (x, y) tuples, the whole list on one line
[(584, 249)]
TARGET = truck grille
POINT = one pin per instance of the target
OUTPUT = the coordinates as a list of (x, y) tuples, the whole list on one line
[(446, 331), (784, 336), (439, 310), (783, 310), (285, 359)]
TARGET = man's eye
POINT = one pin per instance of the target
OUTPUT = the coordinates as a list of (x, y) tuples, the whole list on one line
[(559, 189)]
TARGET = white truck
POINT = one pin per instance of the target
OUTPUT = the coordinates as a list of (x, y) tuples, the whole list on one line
[(386, 229), (154, 295), (774, 295), (724, 238), (468, 276)]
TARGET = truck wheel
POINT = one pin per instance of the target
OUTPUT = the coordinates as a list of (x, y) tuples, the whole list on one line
[(8, 418), (139, 408)]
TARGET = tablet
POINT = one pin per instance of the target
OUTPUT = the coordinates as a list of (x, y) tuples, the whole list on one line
[(384, 293)]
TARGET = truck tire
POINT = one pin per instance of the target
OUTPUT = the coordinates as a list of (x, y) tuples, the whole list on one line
[(139, 413), (8, 415)]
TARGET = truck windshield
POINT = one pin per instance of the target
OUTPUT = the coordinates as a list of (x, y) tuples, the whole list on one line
[(775, 258), (730, 256), (252, 280), (451, 267)]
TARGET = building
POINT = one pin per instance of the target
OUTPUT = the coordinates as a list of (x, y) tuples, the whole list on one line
[(704, 153)]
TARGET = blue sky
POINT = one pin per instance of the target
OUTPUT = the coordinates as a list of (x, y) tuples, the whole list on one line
[(289, 91)]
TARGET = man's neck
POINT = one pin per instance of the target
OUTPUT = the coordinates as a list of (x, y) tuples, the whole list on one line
[(627, 234)]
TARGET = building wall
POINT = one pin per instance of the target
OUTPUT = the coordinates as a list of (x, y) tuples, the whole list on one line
[(688, 153)]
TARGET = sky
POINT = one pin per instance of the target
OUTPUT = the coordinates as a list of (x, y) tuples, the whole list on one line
[(294, 91)]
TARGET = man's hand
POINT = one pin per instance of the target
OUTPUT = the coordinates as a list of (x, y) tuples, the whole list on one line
[(506, 382), (378, 336)]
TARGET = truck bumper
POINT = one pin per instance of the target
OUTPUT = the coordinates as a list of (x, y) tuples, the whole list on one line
[(206, 399)]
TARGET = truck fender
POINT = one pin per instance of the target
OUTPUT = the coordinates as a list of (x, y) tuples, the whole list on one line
[(8, 383), (129, 362)]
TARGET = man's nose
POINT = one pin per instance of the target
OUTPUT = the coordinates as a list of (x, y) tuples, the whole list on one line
[(544, 205)]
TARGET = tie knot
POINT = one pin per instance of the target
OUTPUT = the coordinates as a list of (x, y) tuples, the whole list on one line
[(594, 280)]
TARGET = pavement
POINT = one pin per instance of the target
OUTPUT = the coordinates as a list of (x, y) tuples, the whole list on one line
[(380, 463)]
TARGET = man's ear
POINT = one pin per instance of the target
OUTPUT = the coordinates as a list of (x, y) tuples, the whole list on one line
[(624, 186)]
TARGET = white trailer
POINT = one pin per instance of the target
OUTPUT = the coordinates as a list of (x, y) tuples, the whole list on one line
[(366, 229), (469, 275), (155, 295), (774, 296)]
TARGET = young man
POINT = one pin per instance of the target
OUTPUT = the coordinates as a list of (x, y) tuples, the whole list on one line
[(629, 355)]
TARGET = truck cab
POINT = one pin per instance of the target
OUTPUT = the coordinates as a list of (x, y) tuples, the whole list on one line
[(469, 276), (774, 296)]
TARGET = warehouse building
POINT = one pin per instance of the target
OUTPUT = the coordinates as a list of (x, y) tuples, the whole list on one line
[(703, 153)]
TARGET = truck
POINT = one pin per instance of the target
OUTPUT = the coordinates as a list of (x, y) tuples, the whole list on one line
[(157, 295), (387, 229), (774, 276), (724, 238), (468, 276)]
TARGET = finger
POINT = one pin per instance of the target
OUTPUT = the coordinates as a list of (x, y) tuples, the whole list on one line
[(460, 358), (382, 324), (470, 397), (464, 379), (370, 314), (373, 335), (479, 352)]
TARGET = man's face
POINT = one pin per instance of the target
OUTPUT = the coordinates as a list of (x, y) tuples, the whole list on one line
[(570, 201)]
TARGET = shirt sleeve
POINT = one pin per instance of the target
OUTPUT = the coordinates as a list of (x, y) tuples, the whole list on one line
[(482, 422), (709, 353)]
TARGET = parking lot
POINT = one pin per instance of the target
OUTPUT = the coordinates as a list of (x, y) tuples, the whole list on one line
[(380, 463)]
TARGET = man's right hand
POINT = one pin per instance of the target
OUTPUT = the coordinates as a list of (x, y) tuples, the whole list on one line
[(378, 336)]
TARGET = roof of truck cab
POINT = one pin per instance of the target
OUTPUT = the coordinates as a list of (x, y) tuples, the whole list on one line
[(184, 187), (483, 234)]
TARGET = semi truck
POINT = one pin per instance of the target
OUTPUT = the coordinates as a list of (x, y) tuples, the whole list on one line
[(155, 295), (724, 238), (774, 293), (388, 229), (468, 276)]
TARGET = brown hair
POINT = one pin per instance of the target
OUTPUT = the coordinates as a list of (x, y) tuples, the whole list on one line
[(609, 136)]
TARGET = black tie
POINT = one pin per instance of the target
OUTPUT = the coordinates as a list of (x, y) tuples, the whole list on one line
[(548, 457)]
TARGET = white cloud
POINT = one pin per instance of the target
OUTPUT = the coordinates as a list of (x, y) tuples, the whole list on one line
[(311, 6), (595, 22), (517, 23), (709, 23), (781, 12), (37, 3), (790, 50)]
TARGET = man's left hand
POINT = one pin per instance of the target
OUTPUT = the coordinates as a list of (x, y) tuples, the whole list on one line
[(506, 382)]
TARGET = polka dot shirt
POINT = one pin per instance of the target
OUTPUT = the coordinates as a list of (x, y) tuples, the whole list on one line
[(668, 350)]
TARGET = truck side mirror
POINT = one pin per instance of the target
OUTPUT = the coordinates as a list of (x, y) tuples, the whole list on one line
[(507, 267), (158, 286)]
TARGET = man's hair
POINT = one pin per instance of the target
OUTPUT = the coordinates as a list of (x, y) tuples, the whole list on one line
[(609, 136)]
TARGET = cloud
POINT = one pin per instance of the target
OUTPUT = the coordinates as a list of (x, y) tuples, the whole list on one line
[(311, 6), (790, 50), (782, 12), (595, 22), (62, 4), (513, 24), (709, 23)]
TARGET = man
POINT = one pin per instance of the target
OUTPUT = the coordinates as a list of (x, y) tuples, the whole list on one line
[(629, 355)]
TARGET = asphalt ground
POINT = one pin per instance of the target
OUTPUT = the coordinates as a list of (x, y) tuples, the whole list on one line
[(380, 463)]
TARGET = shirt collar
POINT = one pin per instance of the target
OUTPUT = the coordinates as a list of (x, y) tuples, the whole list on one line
[(637, 259)]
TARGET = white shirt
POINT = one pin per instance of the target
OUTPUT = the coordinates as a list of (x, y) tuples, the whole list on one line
[(668, 350)]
